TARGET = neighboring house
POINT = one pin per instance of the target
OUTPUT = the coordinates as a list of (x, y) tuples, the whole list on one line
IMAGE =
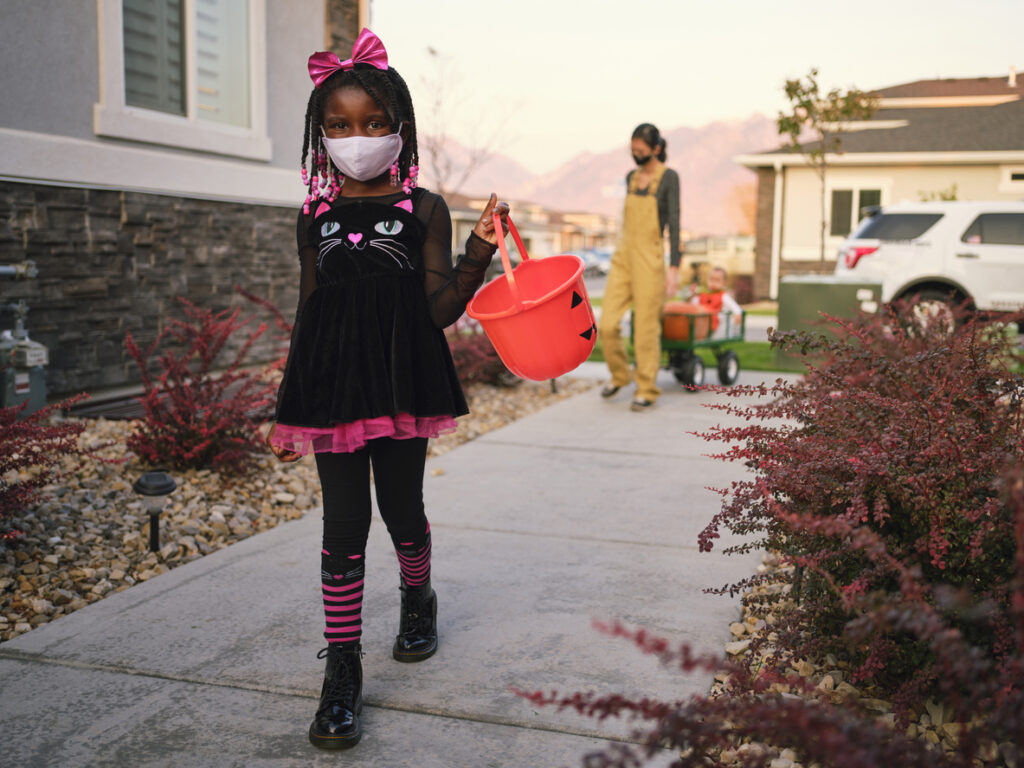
[(544, 232), (733, 253), (928, 139), (150, 149)]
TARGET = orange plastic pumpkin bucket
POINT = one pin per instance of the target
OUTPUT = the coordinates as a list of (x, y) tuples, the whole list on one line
[(537, 315)]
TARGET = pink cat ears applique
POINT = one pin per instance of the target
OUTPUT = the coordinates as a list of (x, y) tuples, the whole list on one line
[(405, 205)]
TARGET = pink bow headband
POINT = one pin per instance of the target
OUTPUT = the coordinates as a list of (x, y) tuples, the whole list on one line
[(368, 49)]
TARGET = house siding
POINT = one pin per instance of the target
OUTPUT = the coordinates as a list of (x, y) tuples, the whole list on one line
[(114, 261), (50, 74)]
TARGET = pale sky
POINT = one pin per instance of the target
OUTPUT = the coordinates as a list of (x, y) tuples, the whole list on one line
[(560, 77)]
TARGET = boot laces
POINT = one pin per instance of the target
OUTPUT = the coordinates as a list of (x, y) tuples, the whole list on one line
[(339, 683), (416, 610)]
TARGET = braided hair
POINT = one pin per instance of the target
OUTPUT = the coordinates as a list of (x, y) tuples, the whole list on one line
[(651, 136), (388, 89)]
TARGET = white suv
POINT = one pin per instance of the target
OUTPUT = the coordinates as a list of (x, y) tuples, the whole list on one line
[(971, 251)]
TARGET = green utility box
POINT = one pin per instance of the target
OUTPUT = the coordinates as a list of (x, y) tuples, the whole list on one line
[(802, 299)]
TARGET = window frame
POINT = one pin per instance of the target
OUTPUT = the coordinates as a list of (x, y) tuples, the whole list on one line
[(113, 118), (848, 213), (856, 188), (1006, 181)]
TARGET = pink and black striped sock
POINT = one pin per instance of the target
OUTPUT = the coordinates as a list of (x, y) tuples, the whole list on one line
[(414, 559), (341, 577)]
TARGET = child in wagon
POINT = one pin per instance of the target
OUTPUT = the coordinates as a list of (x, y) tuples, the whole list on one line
[(716, 301)]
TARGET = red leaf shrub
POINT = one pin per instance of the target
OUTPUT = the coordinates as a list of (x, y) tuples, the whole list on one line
[(476, 360), (195, 418), (31, 449), (283, 324), (883, 476), (890, 480), (747, 716)]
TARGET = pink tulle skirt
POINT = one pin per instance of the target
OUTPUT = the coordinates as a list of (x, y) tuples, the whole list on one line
[(346, 438)]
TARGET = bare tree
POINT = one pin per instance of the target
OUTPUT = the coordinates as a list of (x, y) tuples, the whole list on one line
[(825, 117), (450, 163)]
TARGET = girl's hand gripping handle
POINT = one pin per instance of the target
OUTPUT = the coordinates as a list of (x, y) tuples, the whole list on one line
[(484, 228)]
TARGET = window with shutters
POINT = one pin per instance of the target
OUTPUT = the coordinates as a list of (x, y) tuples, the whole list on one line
[(222, 61), (185, 73), (154, 60)]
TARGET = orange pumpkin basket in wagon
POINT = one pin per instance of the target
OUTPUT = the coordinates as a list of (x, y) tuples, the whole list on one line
[(537, 315), (683, 321)]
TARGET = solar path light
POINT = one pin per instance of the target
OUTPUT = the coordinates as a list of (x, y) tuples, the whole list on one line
[(154, 487)]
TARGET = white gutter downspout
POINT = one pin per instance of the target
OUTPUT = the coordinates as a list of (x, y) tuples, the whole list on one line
[(776, 258)]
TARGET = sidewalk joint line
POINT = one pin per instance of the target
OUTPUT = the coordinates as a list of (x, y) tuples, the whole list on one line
[(31, 658), (566, 537), (583, 449)]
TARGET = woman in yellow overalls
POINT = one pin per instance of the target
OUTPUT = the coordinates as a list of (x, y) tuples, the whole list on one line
[(637, 275)]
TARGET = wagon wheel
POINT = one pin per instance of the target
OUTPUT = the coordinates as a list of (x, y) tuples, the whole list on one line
[(677, 361), (688, 370), (728, 368)]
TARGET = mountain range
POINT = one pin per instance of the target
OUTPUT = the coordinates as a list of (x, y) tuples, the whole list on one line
[(713, 184)]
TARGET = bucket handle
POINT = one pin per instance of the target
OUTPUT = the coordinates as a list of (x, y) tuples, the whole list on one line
[(505, 262)]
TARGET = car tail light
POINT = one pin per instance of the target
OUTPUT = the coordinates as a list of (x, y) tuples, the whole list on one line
[(854, 254)]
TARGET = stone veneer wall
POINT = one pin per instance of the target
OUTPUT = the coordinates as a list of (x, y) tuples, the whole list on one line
[(110, 261)]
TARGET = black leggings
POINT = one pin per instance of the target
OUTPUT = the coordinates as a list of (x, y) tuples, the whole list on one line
[(398, 482)]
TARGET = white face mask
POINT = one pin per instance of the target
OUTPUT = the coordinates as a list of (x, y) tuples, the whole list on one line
[(364, 157)]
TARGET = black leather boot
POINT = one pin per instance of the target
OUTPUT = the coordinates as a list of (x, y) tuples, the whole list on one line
[(336, 725), (417, 630)]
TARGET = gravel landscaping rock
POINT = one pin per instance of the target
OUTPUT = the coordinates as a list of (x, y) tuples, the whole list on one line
[(90, 537), (827, 678)]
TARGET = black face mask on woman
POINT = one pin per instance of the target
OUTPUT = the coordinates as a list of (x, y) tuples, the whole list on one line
[(642, 160)]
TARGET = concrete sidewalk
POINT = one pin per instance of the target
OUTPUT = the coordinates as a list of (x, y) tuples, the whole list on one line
[(582, 511)]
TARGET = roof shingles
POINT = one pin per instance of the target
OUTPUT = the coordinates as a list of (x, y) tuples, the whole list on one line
[(950, 129)]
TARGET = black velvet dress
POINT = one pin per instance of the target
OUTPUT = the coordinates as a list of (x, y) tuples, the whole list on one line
[(368, 347)]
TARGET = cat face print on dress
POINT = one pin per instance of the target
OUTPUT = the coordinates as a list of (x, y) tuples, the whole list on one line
[(359, 239)]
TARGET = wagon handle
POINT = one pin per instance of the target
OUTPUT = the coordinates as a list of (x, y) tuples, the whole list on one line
[(505, 262)]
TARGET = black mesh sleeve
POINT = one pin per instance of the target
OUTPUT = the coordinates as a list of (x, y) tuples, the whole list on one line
[(449, 288), (307, 280)]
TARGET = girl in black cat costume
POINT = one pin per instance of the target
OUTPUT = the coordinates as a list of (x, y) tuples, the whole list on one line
[(369, 376)]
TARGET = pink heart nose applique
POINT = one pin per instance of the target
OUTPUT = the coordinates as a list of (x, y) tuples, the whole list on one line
[(355, 237)]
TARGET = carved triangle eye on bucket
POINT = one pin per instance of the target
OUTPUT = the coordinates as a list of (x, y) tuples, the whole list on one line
[(523, 313)]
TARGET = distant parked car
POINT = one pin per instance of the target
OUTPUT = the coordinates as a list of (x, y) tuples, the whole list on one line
[(596, 262), (495, 268), (969, 252)]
